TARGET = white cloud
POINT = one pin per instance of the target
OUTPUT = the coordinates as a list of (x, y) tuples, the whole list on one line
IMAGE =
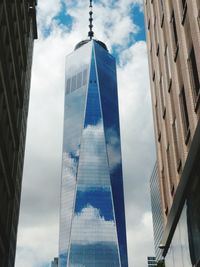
[(41, 182), (37, 244), (140, 240), (93, 227)]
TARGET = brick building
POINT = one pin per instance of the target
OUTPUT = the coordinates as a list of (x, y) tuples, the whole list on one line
[(173, 44)]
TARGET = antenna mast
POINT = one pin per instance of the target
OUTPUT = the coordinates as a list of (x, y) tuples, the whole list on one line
[(90, 33)]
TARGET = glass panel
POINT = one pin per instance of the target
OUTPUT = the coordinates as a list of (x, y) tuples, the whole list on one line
[(68, 86), (73, 83), (79, 80), (106, 69), (178, 253)]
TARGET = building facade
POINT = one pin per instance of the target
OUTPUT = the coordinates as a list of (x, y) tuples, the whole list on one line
[(54, 263), (157, 213), (151, 261), (92, 219), (17, 32), (173, 44)]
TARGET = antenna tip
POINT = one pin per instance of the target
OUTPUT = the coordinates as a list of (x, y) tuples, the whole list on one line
[(90, 33)]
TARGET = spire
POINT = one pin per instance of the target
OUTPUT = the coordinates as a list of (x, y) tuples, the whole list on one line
[(90, 33)]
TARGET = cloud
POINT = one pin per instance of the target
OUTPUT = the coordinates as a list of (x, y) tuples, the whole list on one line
[(96, 228), (39, 214)]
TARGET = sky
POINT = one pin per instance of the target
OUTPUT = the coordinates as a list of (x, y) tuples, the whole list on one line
[(61, 25)]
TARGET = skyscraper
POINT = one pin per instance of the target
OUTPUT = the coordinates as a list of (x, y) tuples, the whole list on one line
[(17, 32), (92, 219), (151, 261), (157, 214), (54, 263), (173, 43)]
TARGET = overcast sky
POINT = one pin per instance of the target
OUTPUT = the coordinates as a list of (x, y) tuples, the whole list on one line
[(61, 25)]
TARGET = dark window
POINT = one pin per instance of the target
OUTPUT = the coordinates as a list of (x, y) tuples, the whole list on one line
[(161, 4), (173, 21), (168, 67), (73, 86), (149, 24), (183, 3), (194, 72), (162, 93), (68, 86), (156, 33), (176, 144), (79, 80), (85, 77), (184, 112)]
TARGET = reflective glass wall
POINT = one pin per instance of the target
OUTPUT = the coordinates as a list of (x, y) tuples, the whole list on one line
[(157, 214), (92, 219), (178, 254)]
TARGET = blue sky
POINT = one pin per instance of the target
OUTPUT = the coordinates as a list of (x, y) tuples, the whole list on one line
[(61, 25)]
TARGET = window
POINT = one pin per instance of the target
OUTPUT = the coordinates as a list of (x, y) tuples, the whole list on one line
[(168, 68), (194, 73), (161, 5), (156, 33), (176, 144), (68, 86), (73, 85), (184, 10), (162, 94), (157, 122), (79, 80), (149, 24), (185, 116), (85, 76), (164, 190), (153, 75), (175, 36), (183, 3)]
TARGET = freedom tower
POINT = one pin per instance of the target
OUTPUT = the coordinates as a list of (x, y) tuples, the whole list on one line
[(92, 216)]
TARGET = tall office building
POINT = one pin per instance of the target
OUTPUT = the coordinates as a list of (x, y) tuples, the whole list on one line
[(17, 32), (157, 214), (92, 219), (151, 261), (173, 42)]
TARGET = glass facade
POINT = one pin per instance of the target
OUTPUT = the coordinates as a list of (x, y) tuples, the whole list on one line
[(151, 261), (178, 254), (92, 216), (157, 214)]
